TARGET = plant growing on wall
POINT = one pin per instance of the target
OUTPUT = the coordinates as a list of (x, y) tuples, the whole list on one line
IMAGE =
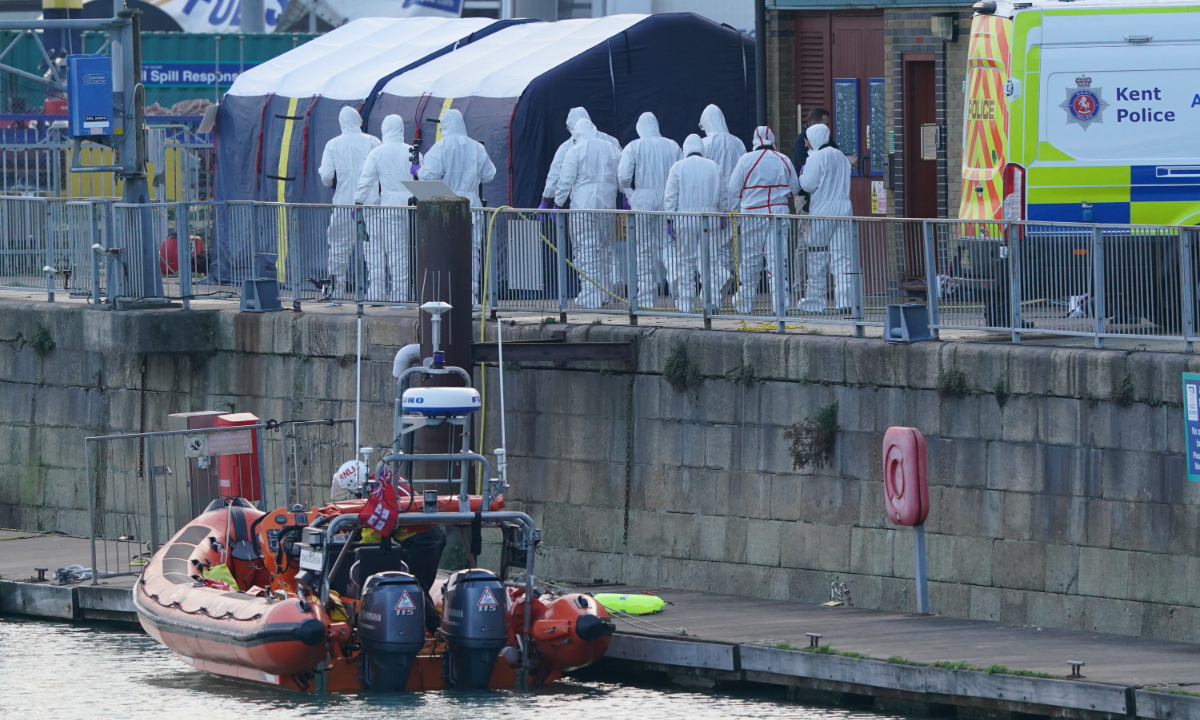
[(679, 371), (42, 341), (813, 438)]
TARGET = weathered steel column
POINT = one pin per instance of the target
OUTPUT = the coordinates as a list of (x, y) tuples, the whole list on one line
[(443, 274)]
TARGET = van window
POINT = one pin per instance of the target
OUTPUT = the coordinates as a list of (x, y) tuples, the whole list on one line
[(1130, 104)]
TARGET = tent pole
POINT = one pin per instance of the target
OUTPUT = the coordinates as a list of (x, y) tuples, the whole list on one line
[(760, 59)]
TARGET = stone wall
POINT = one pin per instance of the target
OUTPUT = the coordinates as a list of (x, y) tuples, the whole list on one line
[(1058, 490)]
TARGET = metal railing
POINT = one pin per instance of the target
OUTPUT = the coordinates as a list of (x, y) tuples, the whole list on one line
[(144, 487), (774, 271), (39, 162)]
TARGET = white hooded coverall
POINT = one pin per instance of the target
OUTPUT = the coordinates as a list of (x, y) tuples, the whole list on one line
[(387, 249), (761, 183), (589, 180), (341, 166), (725, 149), (463, 164), (830, 242), (694, 185), (642, 173), (561, 153)]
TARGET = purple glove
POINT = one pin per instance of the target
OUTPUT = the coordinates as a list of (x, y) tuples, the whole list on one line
[(671, 231), (414, 169), (545, 204), (724, 223), (625, 203)]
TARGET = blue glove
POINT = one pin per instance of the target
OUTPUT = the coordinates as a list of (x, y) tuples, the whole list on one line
[(625, 203), (414, 169), (724, 223), (671, 231), (545, 204)]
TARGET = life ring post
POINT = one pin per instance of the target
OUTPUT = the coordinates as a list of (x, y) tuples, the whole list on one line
[(906, 495)]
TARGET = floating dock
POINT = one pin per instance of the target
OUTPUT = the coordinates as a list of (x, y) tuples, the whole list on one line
[(706, 639)]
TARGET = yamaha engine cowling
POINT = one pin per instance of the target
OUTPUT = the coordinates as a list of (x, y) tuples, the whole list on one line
[(475, 622), (391, 626)]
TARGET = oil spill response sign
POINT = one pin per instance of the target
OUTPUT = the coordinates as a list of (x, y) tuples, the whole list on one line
[(1191, 423)]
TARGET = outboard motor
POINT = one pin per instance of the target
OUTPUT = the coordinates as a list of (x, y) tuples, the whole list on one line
[(475, 622), (391, 626)]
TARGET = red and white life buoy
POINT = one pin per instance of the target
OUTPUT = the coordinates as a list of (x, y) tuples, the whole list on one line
[(904, 478)]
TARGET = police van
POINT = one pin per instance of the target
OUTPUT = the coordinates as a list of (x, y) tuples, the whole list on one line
[(1084, 111)]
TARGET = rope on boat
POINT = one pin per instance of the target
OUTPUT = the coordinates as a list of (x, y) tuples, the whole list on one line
[(228, 615)]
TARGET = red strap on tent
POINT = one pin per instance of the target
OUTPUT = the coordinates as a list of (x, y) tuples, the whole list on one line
[(422, 103), (304, 150), (261, 119), (510, 152)]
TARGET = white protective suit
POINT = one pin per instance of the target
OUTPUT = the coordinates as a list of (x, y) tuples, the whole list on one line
[(464, 165), (830, 242), (589, 181), (642, 173), (341, 166), (387, 249), (761, 183), (725, 149), (694, 185), (561, 153)]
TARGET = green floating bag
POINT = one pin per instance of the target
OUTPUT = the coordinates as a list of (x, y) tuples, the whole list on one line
[(633, 604)]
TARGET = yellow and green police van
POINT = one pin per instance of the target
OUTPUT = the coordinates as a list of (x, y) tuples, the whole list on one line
[(1084, 111)]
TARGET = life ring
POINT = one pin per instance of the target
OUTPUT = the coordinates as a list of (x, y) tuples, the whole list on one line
[(904, 478)]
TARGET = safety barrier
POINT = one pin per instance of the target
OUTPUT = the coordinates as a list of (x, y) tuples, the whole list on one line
[(143, 487), (39, 162), (1095, 281)]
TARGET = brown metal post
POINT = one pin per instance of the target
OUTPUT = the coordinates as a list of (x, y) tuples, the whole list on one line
[(444, 274)]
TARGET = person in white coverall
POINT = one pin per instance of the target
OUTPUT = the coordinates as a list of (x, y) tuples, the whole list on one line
[(561, 154), (464, 165), (387, 249), (725, 149), (694, 185), (341, 166), (760, 184), (642, 174), (830, 242), (589, 180)]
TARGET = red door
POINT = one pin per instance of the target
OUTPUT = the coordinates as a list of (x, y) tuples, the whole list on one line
[(833, 46), (920, 108)]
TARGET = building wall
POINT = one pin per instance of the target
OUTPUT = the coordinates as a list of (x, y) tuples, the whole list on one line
[(1058, 488), (909, 31), (905, 31)]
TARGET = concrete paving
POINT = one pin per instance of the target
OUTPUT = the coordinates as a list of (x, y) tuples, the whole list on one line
[(928, 639), (21, 552)]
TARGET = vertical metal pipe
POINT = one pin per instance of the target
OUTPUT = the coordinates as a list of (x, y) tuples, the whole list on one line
[(493, 267), (760, 60), (1013, 235), (631, 241), (183, 252), (560, 239), (87, 464), (49, 237), (706, 272), (1098, 280), (779, 274), (1186, 237), (94, 239), (921, 573), (856, 279), (148, 475), (931, 277)]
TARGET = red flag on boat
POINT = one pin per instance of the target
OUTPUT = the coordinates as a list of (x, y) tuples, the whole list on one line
[(382, 509)]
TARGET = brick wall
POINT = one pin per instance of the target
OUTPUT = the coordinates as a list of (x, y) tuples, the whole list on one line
[(781, 79), (910, 32)]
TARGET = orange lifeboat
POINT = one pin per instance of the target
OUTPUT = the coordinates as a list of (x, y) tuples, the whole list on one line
[(273, 628)]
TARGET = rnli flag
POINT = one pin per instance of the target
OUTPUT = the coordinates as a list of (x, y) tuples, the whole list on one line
[(382, 509)]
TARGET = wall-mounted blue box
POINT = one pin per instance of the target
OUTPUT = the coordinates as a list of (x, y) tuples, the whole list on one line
[(89, 95)]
